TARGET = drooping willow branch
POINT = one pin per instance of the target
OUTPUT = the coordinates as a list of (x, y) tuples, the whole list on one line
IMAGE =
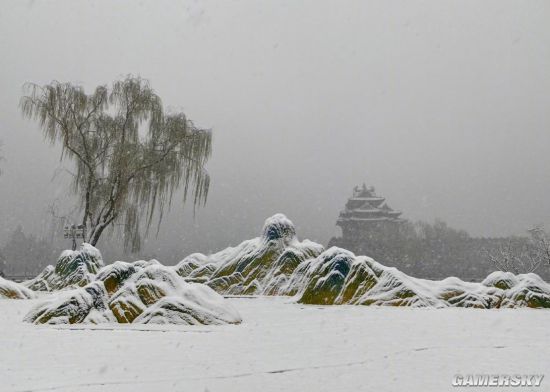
[(130, 156), (1, 157)]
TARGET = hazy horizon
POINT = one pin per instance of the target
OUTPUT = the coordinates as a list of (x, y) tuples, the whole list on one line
[(443, 107)]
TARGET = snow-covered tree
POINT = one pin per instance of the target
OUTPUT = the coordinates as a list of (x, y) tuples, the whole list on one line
[(1, 156), (521, 255), (130, 155)]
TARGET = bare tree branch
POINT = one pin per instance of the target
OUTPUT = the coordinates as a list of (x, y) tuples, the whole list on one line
[(122, 176), (521, 255)]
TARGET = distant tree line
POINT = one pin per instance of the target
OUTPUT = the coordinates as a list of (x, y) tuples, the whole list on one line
[(426, 250), (1, 157), (436, 251), (25, 254)]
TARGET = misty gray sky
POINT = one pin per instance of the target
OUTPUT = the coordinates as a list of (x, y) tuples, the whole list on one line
[(444, 106)]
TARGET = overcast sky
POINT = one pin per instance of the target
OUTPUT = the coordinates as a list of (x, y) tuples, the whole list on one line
[(443, 106)]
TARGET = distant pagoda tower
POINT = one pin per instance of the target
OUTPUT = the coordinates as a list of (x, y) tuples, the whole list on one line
[(366, 216)]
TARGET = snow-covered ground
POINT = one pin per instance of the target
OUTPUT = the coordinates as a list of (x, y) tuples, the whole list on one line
[(280, 346)]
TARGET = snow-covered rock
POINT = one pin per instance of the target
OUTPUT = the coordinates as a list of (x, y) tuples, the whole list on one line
[(197, 267), (277, 263), (524, 290), (13, 290), (257, 266), (73, 269), (142, 292), (82, 305), (337, 276), (115, 275)]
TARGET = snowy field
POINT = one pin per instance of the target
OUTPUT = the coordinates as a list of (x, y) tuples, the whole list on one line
[(279, 347)]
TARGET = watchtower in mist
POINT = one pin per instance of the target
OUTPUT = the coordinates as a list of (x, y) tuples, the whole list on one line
[(366, 212)]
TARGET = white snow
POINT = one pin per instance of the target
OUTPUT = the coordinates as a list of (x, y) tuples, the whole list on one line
[(73, 269), (280, 346), (149, 293), (9, 289), (277, 263)]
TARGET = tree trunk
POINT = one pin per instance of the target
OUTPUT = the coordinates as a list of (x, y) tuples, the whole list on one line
[(94, 238)]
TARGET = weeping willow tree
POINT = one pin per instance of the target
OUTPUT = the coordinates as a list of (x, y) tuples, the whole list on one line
[(1, 157), (130, 155)]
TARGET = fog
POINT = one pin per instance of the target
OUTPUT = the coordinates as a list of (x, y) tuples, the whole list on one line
[(442, 106)]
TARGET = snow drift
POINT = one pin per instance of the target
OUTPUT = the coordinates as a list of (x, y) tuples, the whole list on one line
[(143, 292)]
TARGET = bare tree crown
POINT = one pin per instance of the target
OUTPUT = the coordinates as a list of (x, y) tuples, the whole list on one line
[(521, 255), (1, 157), (130, 155)]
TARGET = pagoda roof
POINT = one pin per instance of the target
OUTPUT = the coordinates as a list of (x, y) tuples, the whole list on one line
[(385, 207), (368, 198), (381, 219), (366, 210), (365, 205)]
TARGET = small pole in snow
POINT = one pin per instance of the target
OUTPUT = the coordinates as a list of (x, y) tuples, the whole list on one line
[(73, 232)]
